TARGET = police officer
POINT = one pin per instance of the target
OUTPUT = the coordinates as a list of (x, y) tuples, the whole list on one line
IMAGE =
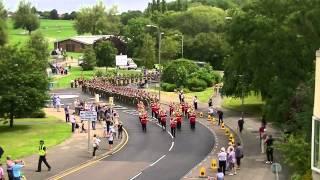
[(42, 156)]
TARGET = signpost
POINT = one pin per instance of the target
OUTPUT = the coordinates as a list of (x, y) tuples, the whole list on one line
[(88, 116), (276, 168)]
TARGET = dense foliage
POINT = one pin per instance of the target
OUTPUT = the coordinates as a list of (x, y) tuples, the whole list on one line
[(105, 53), (89, 59), (25, 18)]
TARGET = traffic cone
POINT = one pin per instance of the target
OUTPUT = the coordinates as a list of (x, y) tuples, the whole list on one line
[(202, 172), (214, 164), (227, 131), (222, 126), (209, 118), (230, 135)]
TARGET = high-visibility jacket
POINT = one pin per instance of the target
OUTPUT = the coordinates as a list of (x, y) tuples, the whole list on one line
[(42, 151)]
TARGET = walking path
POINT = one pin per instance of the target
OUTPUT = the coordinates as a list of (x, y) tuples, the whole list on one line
[(73, 153), (253, 164)]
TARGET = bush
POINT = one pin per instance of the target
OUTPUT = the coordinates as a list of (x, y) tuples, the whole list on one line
[(195, 84), (89, 59), (38, 114), (168, 87), (99, 73)]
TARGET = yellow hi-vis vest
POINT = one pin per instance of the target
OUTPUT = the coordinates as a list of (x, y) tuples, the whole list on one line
[(42, 152)]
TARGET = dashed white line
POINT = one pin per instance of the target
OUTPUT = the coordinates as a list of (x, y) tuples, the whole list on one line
[(170, 134), (134, 177), (157, 160), (172, 144)]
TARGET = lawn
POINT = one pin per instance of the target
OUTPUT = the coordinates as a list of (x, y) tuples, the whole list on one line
[(64, 81), (203, 96), (253, 104), (23, 139), (52, 29)]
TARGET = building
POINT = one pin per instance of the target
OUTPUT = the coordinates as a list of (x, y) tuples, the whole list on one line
[(315, 149), (79, 43)]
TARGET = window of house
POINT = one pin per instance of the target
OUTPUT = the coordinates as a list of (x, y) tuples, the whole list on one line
[(316, 145)]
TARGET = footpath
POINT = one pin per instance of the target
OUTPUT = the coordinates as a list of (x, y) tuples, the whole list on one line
[(253, 164), (70, 155)]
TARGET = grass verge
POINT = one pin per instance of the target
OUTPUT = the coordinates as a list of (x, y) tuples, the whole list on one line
[(23, 139), (253, 104)]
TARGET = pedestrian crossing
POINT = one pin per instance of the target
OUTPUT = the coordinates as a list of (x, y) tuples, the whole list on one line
[(118, 107), (131, 112)]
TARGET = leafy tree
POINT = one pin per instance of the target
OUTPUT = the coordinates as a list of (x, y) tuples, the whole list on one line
[(24, 17), (170, 48), (164, 7), (38, 45), (89, 59), (96, 20), (3, 11), (126, 16), (23, 82), (54, 14), (3, 25), (159, 6), (105, 53), (146, 53)]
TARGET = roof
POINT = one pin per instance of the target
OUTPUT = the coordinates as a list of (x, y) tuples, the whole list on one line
[(88, 39)]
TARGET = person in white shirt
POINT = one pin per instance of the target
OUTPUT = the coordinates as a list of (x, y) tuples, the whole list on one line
[(110, 137), (73, 122), (96, 143), (222, 157), (195, 102), (58, 103)]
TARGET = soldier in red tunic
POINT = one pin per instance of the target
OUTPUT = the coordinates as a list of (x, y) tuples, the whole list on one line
[(179, 119), (192, 120), (173, 125), (144, 120), (163, 118)]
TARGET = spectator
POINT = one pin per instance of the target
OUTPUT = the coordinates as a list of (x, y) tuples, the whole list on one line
[(220, 116), (269, 144), (10, 164), (195, 102), (222, 157), (73, 122), (66, 112), (1, 172), (96, 143), (231, 162), (120, 130), (240, 124), (16, 170), (1, 152), (220, 175), (239, 155), (210, 102)]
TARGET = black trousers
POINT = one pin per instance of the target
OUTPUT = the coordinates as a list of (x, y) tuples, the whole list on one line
[(195, 106), (238, 161), (179, 125), (269, 154), (67, 117), (43, 159), (222, 166), (73, 126), (144, 127), (119, 134), (240, 128), (173, 131), (10, 174), (220, 121), (94, 151), (192, 125)]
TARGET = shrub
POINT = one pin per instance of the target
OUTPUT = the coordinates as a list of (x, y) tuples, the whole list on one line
[(38, 114), (168, 87), (99, 73), (195, 84), (89, 59)]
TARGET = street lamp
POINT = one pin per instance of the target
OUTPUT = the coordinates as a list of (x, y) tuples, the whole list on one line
[(159, 54), (181, 43)]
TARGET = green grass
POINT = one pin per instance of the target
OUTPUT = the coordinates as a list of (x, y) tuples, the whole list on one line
[(76, 72), (23, 139), (253, 104), (52, 29), (203, 96)]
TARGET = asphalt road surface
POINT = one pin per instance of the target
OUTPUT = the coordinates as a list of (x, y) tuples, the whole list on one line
[(153, 155)]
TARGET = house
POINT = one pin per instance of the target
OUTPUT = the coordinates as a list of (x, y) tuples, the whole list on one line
[(79, 43)]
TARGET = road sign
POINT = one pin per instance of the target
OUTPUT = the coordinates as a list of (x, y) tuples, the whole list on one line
[(88, 115)]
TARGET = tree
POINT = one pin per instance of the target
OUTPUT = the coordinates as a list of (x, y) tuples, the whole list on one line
[(105, 53), (24, 18), (126, 16), (3, 11), (23, 82), (164, 6), (147, 51), (170, 48), (89, 59), (96, 20), (38, 45), (54, 14), (159, 6), (3, 25)]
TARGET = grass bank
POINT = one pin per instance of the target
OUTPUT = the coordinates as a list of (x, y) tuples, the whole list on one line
[(23, 139), (253, 104)]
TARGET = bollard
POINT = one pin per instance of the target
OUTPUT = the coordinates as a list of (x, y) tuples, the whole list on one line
[(231, 135), (222, 126), (214, 164), (227, 131), (209, 118), (202, 172)]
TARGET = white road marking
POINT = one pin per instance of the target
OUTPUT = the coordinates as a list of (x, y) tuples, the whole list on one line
[(170, 134), (157, 160), (172, 144), (134, 177)]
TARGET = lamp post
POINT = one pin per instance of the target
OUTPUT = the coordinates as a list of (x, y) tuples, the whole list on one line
[(181, 43), (159, 53)]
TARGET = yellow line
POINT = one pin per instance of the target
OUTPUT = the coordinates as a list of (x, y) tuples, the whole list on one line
[(91, 162)]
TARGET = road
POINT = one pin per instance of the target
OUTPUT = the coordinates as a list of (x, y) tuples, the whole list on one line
[(153, 155)]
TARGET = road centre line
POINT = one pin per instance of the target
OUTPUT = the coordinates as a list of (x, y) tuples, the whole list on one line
[(158, 160), (172, 144), (134, 177)]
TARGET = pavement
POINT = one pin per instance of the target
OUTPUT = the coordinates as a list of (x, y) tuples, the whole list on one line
[(253, 164), (72, 153)]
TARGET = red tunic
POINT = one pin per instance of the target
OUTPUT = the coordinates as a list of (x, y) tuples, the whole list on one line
[(163, 117), (192, 118), (173, 123)]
